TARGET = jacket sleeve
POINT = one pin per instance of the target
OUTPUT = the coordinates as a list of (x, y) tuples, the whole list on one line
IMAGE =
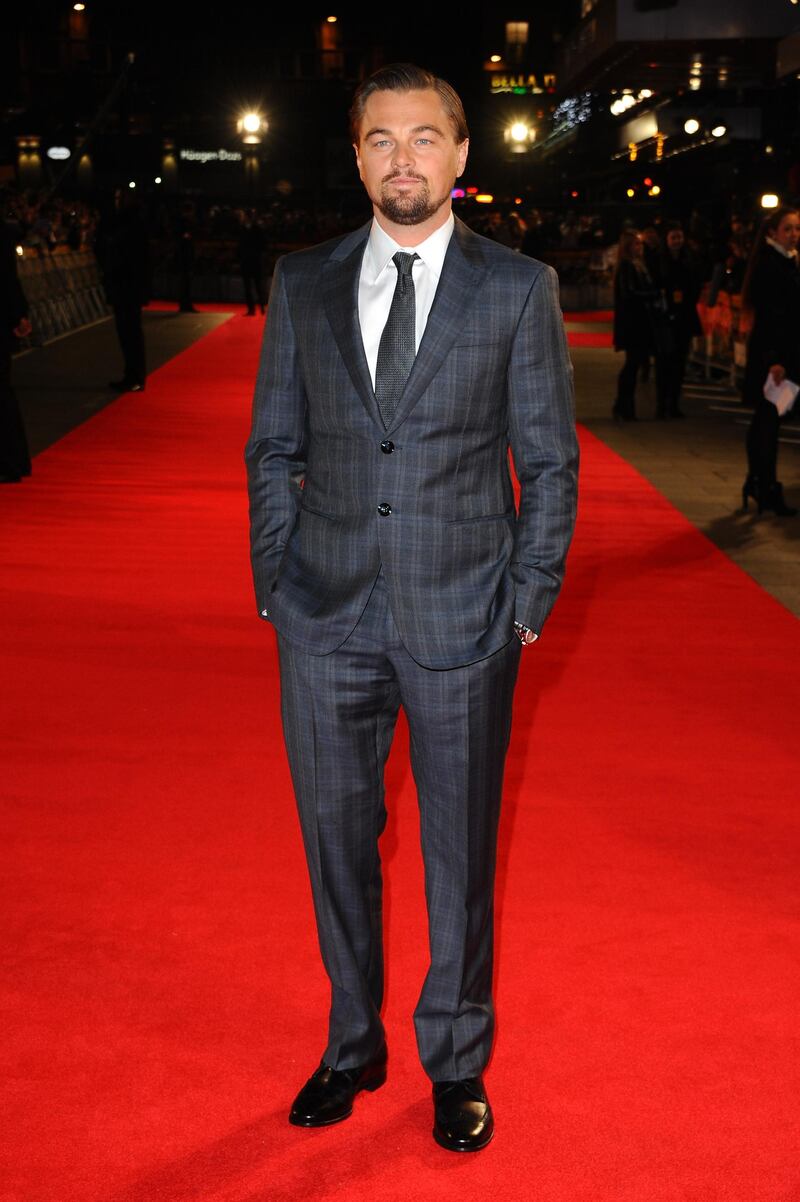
[(544, 448), (276, 449)]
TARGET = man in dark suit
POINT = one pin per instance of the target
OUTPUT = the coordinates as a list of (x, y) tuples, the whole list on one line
[(399, 363), (122, 251), (15, 459)]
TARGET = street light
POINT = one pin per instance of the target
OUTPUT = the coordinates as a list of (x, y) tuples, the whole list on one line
[(719, 131), (691, 126), (250, 127), (519, 136)]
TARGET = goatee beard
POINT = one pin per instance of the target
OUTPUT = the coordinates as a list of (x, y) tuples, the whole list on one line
[(409, 209)]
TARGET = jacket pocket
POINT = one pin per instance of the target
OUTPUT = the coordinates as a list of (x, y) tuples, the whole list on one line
[(330, 517), (482, 517)]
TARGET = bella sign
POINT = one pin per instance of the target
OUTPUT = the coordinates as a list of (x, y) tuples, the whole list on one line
[(522, 84)]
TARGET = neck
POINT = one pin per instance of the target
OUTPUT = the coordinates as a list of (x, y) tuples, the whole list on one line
[(413, 235)]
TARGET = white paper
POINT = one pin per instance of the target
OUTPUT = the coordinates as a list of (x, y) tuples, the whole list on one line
[(782, 395)]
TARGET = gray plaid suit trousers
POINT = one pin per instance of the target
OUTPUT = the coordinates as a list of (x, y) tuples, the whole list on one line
[(339, 713)]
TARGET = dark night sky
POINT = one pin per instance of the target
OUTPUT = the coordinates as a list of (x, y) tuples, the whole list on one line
[(198, 68), (195, 54)]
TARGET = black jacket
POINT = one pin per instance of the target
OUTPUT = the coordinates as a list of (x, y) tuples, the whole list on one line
[(637, 301), (122, 253), (774, 296), (680, 278)]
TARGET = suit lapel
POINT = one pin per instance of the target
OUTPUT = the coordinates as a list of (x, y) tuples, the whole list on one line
[(462, 275), (463, 271), (340, 295)]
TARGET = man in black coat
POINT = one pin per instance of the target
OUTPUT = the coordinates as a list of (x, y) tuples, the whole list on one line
[(680, 280), (15, 460), (251, 255), (122, 253)]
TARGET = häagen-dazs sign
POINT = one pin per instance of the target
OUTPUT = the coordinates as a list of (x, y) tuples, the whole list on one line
[(211, 156)]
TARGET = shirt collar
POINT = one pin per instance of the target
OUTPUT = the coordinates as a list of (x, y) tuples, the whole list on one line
[(787, 254), (381, 247)]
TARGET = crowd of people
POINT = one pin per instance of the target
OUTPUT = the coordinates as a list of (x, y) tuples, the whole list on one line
[(657, 284), (657, 274), (46, 224), (656, 288)]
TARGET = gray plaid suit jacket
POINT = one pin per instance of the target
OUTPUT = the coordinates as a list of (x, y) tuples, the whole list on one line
[(492, 371)]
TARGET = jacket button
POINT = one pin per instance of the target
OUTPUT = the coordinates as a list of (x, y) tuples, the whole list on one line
[(384, 510), (387, 446)]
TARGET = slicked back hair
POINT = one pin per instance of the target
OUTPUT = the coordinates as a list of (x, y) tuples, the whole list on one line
[(405, 77)]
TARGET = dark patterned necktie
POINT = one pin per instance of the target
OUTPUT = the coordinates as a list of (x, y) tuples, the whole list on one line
[(397, 349)]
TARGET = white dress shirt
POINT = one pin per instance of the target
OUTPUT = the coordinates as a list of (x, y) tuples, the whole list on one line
[(378, 278)]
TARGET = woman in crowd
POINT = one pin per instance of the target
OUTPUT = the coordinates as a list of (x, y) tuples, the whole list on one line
[(640, 323), (772, 295)]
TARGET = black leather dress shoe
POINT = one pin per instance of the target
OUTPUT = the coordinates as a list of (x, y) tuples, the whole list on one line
[(463, 1120), (327, 1096)]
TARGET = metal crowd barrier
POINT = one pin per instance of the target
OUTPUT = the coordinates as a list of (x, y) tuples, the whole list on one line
[(64, 292), (722, 350), (584, 276)]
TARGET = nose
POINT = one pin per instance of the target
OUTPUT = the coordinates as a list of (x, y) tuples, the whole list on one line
[(403, 156)]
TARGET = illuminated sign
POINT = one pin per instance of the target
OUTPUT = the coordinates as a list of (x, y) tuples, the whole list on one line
[(211, 156), (522, 84)]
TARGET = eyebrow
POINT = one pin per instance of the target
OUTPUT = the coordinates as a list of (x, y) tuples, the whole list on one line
[(418, 129)]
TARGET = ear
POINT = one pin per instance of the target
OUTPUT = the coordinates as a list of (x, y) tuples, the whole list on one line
[(358, 160), (461, 162)]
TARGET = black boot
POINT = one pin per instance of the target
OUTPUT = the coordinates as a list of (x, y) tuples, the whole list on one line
[(774, 502), (750, 489)]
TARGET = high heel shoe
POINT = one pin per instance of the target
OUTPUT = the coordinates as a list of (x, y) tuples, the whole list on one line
[(750, 489), (774, 502)]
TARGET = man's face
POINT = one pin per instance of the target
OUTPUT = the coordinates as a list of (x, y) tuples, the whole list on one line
[(675, 240), (407, 154)]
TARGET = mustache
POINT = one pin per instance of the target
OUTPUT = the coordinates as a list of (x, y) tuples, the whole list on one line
[(387, 179)]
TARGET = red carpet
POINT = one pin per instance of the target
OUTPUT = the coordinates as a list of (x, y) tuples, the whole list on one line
[(600, 315), (589, 338), (163, 998)]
